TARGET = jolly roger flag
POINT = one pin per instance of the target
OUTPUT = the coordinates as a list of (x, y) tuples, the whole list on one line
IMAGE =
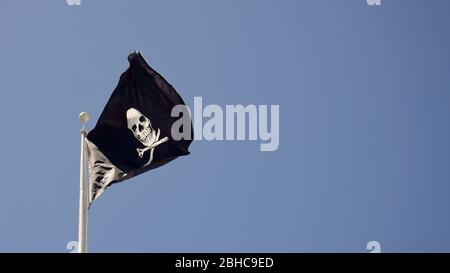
[(133, 133)]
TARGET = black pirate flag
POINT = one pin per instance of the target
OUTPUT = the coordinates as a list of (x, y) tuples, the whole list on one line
[(133, 133)]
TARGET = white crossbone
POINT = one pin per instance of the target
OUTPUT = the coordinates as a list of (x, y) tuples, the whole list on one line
[(156, 143)]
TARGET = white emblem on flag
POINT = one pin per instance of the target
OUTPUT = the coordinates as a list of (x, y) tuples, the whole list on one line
[(142, 129)]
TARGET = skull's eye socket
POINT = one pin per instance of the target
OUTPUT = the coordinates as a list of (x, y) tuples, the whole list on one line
[(141, 118), (133, 128)]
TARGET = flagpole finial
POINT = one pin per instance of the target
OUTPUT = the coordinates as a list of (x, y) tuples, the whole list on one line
[(84, 117)]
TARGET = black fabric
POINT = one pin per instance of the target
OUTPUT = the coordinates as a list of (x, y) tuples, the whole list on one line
[(142, 88)]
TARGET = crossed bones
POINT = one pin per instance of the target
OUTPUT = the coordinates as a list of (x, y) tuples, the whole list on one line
[(152, 146)]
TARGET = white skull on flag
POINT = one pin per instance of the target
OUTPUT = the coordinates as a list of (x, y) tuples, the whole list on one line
[(142, 129)]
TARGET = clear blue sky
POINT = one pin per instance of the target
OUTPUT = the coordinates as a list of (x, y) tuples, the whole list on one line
[(364, 95)]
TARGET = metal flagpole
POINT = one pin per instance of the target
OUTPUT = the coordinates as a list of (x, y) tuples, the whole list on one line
[(83, 210)]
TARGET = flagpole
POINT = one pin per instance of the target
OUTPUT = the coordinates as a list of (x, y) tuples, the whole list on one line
[(83, 210)]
